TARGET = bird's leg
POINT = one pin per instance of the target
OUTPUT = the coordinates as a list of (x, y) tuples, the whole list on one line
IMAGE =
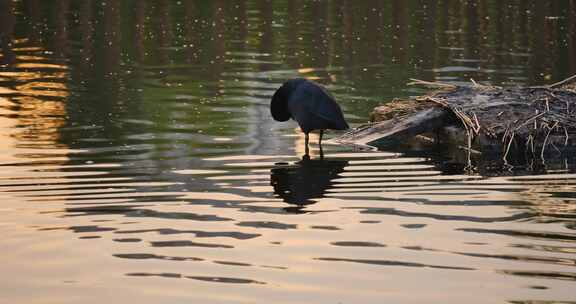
[(306, 151)]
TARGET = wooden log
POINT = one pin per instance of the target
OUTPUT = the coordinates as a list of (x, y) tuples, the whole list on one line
[(396, 129), (539, 120)]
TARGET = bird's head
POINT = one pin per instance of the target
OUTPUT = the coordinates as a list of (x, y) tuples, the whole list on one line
[(279, 102)]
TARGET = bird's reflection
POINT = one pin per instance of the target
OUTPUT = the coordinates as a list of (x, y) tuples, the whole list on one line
[(299, 184)]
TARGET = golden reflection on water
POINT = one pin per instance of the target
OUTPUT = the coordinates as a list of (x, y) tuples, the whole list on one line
[(37, 65), (28, 75), (48, 89), (29, 58), (7, 125), (33, 108), (40, 120), (39, 105)]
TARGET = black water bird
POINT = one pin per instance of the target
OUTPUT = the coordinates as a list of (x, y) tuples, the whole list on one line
[(310, 105)]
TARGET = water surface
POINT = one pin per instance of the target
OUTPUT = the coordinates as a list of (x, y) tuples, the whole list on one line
[(139, 162)]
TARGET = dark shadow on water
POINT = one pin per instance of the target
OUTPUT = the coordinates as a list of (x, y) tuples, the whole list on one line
[(299, 184), (453, 158)]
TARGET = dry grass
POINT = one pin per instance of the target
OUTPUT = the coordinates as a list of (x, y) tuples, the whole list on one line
[(539, 118)]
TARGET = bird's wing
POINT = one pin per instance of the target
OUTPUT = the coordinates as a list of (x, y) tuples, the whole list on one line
[(323, 105)]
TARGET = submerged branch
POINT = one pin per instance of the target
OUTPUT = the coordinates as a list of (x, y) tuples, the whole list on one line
[(433, 84)]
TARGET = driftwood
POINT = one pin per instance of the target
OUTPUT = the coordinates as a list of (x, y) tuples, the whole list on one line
[(480, 119)]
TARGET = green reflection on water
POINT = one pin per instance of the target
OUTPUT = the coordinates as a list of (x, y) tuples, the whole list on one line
[(207, 68)]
